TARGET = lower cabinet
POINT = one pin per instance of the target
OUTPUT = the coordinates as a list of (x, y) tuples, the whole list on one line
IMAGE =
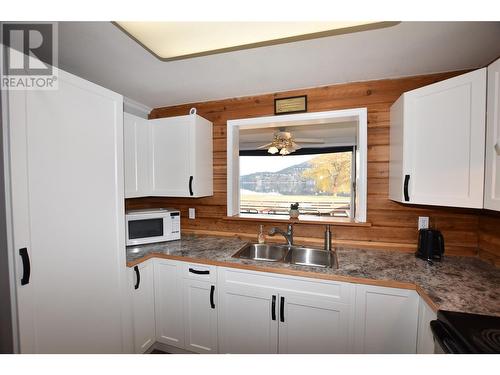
[(259, 313), (143, 306), (425, 338), (200, 308), (385, 320), (208, 309), (169, 311), (185, 309)]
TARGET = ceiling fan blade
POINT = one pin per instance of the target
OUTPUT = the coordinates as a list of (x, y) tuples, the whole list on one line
[(309, 140), (264, 146)]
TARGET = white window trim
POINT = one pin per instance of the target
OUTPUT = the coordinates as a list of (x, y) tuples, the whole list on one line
[(358, 115)]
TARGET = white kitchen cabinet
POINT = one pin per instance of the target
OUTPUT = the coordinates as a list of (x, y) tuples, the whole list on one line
[(200, 319), (313, 324), (492, 168), (263, 313), (247, 324), (169, 311), (138, 156), (182, 156), (385, 320), (437, 143), (143, 305), (169, 157), (67, 207), (425, 338)]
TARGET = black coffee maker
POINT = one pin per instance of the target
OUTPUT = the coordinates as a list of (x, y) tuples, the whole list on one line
[(430, 245)]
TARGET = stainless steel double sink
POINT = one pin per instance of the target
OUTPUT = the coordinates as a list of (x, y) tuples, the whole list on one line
[(298, 255)]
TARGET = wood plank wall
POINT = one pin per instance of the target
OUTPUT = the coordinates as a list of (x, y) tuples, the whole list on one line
[(393, 224), (489, 236)]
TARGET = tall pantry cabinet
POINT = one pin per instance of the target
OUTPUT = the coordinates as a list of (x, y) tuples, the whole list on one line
[(67, 208)]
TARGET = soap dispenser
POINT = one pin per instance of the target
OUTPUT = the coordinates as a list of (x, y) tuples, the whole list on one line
[(261, 237)]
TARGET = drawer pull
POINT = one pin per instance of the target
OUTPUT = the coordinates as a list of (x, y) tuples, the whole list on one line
[(197, 272)]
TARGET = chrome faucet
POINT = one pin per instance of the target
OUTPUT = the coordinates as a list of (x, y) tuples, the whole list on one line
[(288, 234)]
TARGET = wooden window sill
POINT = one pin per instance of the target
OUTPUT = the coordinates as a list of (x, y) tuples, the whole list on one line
[(303, 219)]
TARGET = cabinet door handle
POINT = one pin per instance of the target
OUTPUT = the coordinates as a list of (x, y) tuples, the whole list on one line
[(273, 308), (212, 292), (192, 270), (191, 185), (497, 147), (26, 265), (405, 190), (138, 277), (282, 309)]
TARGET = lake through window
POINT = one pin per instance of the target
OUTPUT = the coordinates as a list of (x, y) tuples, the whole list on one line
[(319, 179)]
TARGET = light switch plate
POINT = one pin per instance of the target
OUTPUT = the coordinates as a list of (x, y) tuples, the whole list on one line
[(423, 222), (192, 213)]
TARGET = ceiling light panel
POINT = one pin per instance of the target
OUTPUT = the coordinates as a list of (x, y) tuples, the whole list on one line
[(179, 40)]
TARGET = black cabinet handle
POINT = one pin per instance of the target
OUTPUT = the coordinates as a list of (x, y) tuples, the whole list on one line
[(138, 276), (191, 185), (26, 265), (192, 270), (405, 189), (212, 291), (273, 308), (282, 309)]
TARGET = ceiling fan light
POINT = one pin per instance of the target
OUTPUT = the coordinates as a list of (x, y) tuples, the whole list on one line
[(284, 151), (272, 150)]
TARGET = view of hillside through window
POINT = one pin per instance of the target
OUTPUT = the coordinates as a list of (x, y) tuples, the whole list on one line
[(320, 183)]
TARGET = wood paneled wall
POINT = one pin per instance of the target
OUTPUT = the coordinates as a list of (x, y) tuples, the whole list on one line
[(393, 224), (489, 236)]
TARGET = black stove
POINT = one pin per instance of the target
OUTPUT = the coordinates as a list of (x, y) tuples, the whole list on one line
[(464, 333)]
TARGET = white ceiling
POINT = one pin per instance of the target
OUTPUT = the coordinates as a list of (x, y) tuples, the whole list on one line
[(100, 52)]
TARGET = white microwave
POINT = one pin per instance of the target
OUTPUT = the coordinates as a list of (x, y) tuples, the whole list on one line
[(152, 225)]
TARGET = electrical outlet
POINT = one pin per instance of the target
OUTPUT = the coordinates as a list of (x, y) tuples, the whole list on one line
[(423, 222), (192, 213)]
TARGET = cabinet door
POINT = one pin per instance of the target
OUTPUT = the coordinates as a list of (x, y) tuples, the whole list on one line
[(137, 156), (385, 320), (200, 319), (313, 324), (66, 155), (425, 339), (492, 173), (444, 136), (143, 306), (248, 318), (171, 148), (169, 312)]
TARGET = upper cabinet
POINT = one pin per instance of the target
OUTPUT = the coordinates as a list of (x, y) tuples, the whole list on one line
[(170, 157), (492, 170), (137, 141), (438, 141)]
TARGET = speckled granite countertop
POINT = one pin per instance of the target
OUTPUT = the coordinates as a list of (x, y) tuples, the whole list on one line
[(458, 283)]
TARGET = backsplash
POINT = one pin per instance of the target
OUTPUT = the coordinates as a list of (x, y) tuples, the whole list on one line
[(393, 224)]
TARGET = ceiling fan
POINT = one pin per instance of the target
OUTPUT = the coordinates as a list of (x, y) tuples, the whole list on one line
[(284, 143)]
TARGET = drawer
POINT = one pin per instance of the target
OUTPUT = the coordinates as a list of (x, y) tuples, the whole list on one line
[(338, 291), (196, 271)]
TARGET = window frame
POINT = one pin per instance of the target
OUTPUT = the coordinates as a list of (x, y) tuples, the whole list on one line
[(358, 115)]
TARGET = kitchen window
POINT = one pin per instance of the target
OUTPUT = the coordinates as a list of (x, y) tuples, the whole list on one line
[(319, 179), (323, 166)]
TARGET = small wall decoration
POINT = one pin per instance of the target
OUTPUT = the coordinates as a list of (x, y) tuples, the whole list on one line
[(293, 104)]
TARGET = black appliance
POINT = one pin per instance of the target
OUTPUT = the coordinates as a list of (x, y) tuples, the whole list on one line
[(462, 333), (430, 245)]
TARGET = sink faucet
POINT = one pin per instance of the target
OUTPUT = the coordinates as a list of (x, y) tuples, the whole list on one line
[(288, 234), (328, 246)]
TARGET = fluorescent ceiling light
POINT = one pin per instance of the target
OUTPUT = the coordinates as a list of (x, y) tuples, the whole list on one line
[(180, 40)]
